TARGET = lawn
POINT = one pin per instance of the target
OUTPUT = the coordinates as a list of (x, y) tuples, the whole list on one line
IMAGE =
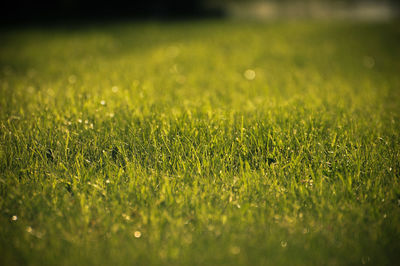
[(200, 143)]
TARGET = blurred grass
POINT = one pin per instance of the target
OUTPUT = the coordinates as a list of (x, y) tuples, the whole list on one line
[(220, 142)]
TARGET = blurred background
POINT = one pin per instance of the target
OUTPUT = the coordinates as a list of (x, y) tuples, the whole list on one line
[(42, 11)]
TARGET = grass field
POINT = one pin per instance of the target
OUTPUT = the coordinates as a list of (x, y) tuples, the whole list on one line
[(200, 143)]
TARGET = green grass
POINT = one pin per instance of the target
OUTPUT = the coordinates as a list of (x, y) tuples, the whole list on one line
[(111, 130)]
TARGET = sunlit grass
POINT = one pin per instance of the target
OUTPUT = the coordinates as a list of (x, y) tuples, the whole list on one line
[(200, 143)]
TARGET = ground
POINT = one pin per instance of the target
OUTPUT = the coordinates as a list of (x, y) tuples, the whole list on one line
[(200, 143)]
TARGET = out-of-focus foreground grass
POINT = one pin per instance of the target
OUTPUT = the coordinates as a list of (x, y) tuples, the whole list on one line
[(200, 143)]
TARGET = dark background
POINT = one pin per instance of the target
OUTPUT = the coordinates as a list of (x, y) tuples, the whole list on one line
[(51, 12), (25, 11)]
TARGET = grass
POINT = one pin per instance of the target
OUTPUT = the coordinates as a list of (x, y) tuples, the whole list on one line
[(200, 143)]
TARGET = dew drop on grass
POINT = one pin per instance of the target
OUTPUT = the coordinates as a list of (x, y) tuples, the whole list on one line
[(126, 217), (137, 234), (72, 79), (250, 74), (235, 250), (14, 218), (369, 62)]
